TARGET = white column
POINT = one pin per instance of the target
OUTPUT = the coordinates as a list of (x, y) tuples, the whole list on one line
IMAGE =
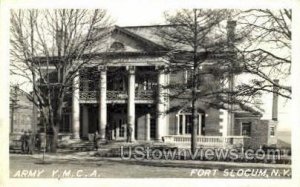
[(177, 124), (131, 98), (225, 122), (148, 121), (183, 125), (199, 124), (125, 131), (117, 130), (113, 133), (75, 108), (160, 116), (230, 123), (85, 121), (102, 104)]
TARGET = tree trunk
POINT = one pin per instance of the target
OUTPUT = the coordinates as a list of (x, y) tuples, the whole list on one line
[(53, 140), (194, 111), (194, 126), (57, 122)]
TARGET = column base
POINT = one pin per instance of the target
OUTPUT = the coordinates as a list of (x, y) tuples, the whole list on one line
[(103, 140), (132, 142), (75, 136)]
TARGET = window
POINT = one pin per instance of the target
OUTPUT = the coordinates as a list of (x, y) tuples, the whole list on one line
[(246, 129), (117, 46), (188, 78), (122, 128), (152, 128), (272, 131), (65, 127), (148, 83), (188, 124), (122, 131), (185, 121)]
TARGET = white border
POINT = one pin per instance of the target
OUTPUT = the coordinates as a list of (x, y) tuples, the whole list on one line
[(128, 4)]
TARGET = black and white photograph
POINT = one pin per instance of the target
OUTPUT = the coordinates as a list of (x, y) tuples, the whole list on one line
[(111, 92)]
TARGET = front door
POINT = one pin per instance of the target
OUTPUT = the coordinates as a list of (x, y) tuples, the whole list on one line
[(152, 128)]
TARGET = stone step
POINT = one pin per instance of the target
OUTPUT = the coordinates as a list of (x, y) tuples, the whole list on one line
[(84, 145)]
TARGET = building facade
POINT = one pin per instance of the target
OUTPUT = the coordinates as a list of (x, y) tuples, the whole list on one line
[(21, 111), (130, 90)]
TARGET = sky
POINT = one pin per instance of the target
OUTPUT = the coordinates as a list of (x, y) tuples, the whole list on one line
[(136, 16)]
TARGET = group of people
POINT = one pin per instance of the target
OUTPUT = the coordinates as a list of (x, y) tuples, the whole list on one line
[(30, 141)]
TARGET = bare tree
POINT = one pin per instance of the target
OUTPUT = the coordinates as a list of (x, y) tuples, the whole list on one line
[(264, 48), (257, 44), (48, 48), (191, 40)]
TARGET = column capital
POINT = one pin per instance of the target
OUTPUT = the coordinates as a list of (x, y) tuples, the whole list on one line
[(162, 68), (102, 68), (130, 69)]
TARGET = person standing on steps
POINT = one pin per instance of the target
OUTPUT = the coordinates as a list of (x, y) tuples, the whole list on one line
[(27, 142), (96, 140), (31, 142), (129, 133), (38, 142), (23, 142)]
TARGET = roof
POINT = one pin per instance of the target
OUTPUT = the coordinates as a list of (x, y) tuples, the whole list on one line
[(150, 32), (243, 110), (145, 35)]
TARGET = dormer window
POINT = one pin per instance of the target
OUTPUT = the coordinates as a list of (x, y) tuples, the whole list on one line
[(117, 46)]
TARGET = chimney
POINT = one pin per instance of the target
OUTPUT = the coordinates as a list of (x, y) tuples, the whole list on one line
[(275, 100), (231, 32)]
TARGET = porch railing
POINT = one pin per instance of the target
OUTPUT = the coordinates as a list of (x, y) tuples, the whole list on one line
[(210, 141), (88, 95), (144, 95), (116, 95)]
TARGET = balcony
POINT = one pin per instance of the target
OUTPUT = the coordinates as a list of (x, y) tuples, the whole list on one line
[(145, 96), (88, 96), (209, 141)]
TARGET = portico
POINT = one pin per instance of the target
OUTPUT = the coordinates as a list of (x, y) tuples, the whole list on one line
[(117, 103)]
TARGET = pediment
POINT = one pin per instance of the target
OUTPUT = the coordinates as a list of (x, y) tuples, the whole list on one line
[(122, 40)]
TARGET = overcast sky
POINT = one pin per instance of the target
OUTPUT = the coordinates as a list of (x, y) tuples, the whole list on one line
[(138, 16)]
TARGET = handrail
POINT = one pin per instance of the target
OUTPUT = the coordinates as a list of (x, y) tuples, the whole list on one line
[(219, 141)]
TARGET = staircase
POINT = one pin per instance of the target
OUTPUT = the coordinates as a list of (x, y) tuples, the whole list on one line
[(111, 148), (76, 145)]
